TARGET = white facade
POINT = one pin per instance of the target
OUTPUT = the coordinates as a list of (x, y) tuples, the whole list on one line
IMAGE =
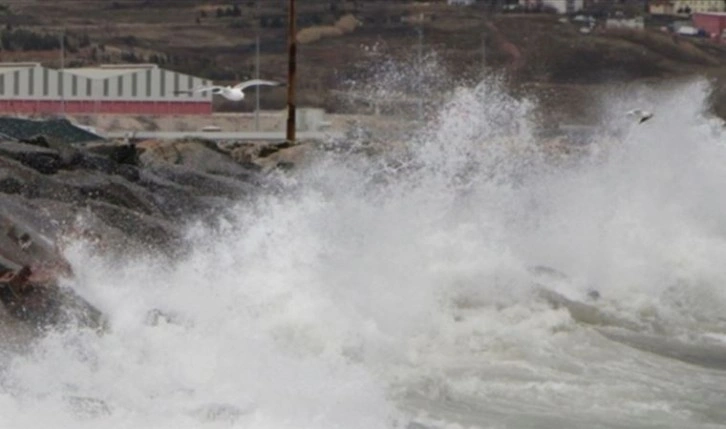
[(565, 6), (699, 6), (637, 23), (31, 81), (561, 6)]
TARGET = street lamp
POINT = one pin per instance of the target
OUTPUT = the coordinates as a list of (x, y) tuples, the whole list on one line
[(292, 52)]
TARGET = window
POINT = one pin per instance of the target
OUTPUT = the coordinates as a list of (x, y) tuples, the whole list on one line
[(176, 84), (2, 84), (60, 83), (74, 85), (190, 84), (31, 81), (162, 86), (106, 87), (148, 83), (120, 91), (45, 81), (16, 82), (89, 87), (134, 84)]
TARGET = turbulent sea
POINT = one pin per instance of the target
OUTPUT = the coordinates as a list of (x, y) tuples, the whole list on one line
[(446, 285)]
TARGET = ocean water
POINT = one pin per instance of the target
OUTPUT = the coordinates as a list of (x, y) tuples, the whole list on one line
[(448, 284)]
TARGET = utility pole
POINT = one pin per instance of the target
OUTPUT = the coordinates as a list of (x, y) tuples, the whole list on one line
[(257, 67), (484, 52), (291, 69), (62, 72), (420, 71)]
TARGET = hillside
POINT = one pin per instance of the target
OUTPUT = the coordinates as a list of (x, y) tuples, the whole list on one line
[(216, 40)]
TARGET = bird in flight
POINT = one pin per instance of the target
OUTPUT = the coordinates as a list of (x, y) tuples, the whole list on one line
[(234, 93), (640, 115)]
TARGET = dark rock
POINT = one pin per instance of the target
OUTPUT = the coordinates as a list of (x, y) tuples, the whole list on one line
[(268, 150), (198, 156), (93, 162), (176, 200), (114, 198), (200, 183), (36, 141), (92, 185), (128, 172), (119, 153), (219, 412), (46, 161), (27, 300), (68, 154), (593, 295), (148, 230), (87, 407), (9, 183)]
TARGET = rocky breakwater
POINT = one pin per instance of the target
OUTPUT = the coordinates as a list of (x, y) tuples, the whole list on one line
[(116, 197)]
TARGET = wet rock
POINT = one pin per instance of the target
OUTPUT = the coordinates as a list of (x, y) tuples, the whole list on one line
[(219, 412), (30, 299), (176, 200), (583, 313), (67, 153), (156, 317), (200, 183), (88, 407), (285, 158), (120, 153), (9, 182), (266, 157), (43, 160), (269, 149), (115, 198), (148, 230), (200, 156), (92, 185)]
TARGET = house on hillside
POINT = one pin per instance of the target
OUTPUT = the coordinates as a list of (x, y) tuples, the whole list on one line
[(685, 7), (609, 7), (637, 23), (713, 23), (561, 6), (661, 7)]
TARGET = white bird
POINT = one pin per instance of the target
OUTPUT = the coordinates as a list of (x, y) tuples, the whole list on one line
[(640, 115), (234, 93)]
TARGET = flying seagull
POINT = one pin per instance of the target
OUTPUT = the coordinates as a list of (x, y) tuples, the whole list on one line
[(640, 115), (234, 93)]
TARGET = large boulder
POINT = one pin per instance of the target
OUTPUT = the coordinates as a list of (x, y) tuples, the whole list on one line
[(43, 160), (116, 198), (198, 155)]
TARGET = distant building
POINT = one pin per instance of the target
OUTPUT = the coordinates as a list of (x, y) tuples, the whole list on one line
[(460, 2), (713, 23), (609, 7), (685, 7), (144, 89), (637, 23), (561, 6), (661, 7)]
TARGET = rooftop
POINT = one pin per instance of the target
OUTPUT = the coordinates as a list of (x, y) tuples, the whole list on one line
[(99, 72), (11, 67), (19, 65)]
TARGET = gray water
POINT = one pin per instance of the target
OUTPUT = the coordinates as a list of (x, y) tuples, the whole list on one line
[(445, 286)]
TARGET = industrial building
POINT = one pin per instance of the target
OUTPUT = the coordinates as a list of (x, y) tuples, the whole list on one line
[(31, 89)]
